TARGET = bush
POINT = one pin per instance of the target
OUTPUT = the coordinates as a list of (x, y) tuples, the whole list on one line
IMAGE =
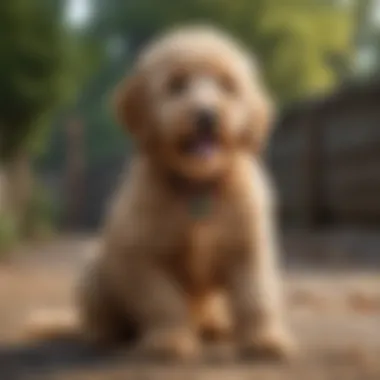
[(9, 233), (42, 214), (39, 223)]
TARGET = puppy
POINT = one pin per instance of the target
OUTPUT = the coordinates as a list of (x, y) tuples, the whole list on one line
[(192, 220)]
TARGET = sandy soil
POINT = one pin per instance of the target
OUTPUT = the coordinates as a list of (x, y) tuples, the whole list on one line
[(334, 314)]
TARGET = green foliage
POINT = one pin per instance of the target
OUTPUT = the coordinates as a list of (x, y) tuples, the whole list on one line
[(42, 214), (368, 42), (41, 220), (307, 40), (294, 39), (38, 70)]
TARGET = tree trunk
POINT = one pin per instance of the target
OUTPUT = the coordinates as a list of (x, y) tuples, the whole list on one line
[(75, 171)]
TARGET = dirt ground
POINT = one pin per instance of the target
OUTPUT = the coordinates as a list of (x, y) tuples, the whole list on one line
[(335, 315)]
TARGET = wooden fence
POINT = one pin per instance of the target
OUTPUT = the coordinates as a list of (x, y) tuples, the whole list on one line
[(325, 157)]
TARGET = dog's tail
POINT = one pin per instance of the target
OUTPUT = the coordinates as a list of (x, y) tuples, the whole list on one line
[(45, 325)]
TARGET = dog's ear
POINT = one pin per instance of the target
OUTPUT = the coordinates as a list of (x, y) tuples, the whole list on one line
[(129, 103), (261, 121)]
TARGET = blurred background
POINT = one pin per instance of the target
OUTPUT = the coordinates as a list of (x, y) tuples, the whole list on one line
[(61, 152)]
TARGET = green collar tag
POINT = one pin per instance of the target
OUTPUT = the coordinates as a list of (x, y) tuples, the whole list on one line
[(200, 206)]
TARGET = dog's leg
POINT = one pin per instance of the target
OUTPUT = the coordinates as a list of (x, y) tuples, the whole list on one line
[(101, 322), (162, 312), (211, 316), (256, 297)]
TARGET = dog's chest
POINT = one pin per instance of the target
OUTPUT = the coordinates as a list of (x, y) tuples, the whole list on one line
[(205, 236), (202, 260)]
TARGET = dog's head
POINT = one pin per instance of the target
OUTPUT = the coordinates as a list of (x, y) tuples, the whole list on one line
[(193, 100)]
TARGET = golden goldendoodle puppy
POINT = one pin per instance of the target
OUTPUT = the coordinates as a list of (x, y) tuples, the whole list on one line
[(193, 219)]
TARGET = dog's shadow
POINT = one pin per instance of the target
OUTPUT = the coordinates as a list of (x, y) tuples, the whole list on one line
[(60, 356), (53, 357)]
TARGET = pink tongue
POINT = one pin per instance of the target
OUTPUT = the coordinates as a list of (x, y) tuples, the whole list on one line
[(204, 148)]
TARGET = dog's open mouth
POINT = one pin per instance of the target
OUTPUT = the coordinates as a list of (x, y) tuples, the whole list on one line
[(199, 146)]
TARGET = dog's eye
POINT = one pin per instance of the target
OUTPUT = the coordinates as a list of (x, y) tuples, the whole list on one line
[(227, 84), (177, 84)]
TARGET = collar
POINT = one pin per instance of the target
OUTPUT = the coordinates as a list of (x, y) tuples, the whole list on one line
[(198, 195)]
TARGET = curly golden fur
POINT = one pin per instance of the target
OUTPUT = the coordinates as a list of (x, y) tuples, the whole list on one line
[(163, 272)]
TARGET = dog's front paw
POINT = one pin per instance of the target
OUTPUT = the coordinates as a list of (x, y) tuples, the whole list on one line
[(173, 344), (273, 344)]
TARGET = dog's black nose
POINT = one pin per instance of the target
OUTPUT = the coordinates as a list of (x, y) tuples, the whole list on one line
[(206, 120)]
